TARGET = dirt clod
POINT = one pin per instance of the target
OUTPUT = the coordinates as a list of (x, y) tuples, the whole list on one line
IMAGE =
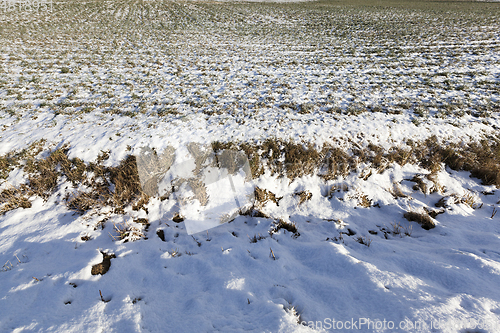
[(103, 267), (161, 234), (177, 218)]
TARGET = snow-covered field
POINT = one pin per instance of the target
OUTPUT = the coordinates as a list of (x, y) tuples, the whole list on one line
[(395, 105)]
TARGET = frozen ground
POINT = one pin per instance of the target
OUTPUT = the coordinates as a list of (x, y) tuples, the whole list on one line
[(120, 75)]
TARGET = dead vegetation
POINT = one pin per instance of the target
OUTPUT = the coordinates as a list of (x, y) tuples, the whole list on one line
[(262, 196), (256, 238), (13, 198), (303, 196), (126, 232), (421, 218), (467, 198), (288, 226), (396, 230), (44, 175), (397, 192), (364, 201), (15, 159), (481, 159), (365, 240), (120, 185), (126, 181), (199, 190)]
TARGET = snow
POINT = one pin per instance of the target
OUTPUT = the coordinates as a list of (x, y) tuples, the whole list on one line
[(347, 265), (447, 274)]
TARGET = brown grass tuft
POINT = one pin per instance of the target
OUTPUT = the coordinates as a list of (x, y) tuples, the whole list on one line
[(364, 201), (126, 232), (481, 159), (336, 162), (288, 226), (303, 196), (83, 201), (13, 198), (126, 180), (422, 218), (300, 161), (262, 196)]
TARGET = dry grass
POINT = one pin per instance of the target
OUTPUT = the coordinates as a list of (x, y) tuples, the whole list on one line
[(199, 190), (201, 154), (14, 198), (468, 199), (256, 238), (365, 240), (126, 180), (288, 226), (429, 186), (232, 160), (45, 174), (421, 218), (434, 212), (124, 177), (126, 232), (396, 191), (83, 201), (287, 159), (482, 158), (364, 201), (299, 160), (15, 159), (262, 196), (303, 196), (336, 162), (294, 160)]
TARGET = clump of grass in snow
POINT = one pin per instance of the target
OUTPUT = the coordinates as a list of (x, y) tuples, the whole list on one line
[(364, 201), (174, 253), (303, 196), (365, 240), (397, 192), (125, 177), (44, 173), (44, 176), (13, 198), (421, 218), (293, 160), (398, 229), (256, 238), (16, 158), (262, 196), (300, 161), (126, 232), (470, 200), (288, 226)]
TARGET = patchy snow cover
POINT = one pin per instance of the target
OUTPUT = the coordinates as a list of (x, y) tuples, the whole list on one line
[(220, 280), (354, 262)]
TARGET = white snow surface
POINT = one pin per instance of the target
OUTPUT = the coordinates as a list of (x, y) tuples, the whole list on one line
[(446, 279)]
